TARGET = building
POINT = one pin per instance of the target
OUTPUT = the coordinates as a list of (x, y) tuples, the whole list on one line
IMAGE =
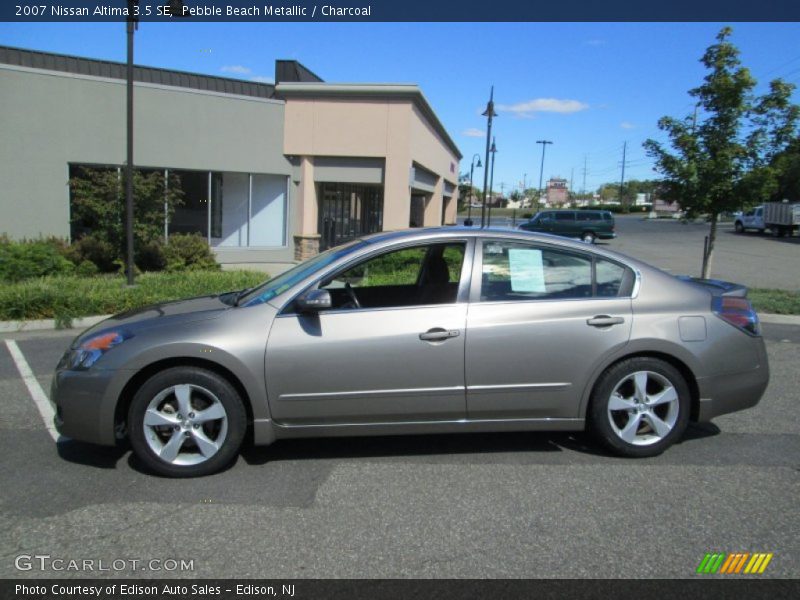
[(556, 194), (271, 173)]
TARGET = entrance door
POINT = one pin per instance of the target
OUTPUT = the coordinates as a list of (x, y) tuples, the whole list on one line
[(348, 211)]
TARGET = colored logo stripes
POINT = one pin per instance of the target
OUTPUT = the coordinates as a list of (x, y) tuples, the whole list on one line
[(735, 563)]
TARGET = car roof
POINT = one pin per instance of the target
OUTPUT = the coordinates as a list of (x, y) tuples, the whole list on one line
[(455, 232)]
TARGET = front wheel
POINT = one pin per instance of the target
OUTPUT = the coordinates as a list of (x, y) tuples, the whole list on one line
[(186, 422), (640, 407), (738, 227)]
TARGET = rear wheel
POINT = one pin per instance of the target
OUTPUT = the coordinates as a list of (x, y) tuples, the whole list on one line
[(186, 422), (640, 407), (588, 237)]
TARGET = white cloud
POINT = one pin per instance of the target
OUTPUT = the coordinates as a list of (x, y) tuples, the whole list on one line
[(236, 69), (556, 105), (627, 125), (473, 132), (263, 79)]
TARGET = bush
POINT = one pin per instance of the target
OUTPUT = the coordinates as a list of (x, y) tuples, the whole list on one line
[(27, 259), (87, 269), (95, 250), (189, 252), (150, 257)]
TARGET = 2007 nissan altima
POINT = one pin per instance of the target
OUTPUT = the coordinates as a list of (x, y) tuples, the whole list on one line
[(420, 331)]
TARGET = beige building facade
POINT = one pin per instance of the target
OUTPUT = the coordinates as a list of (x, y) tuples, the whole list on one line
[(366, 158)]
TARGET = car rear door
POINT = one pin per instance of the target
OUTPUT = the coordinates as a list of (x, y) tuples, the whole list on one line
[(398, 358), (539, 322)]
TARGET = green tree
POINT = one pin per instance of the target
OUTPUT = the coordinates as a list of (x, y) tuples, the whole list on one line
[(98, 207), (726, 159)]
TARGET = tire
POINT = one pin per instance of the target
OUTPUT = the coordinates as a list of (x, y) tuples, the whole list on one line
[(204, 441), (588, 237), (624, 424), (738, 227)]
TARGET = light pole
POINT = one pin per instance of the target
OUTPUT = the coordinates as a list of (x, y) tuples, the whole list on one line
[(176, 10), (493, 150), (472, 166), (541, 169), (490, 114)]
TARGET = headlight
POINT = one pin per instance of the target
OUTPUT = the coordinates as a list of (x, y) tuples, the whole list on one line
[(85, 355)]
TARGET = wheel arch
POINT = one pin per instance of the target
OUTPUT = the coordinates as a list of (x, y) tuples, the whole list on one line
[(677, 363), (143, 374)]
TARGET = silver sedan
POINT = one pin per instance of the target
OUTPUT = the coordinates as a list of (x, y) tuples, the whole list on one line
[(423, 331)]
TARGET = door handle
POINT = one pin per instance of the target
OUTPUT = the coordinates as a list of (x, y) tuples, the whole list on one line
[(437, 334), (604, 321)]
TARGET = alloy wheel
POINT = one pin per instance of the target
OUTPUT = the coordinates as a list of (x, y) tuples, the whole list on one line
[(185, 424), (643, 408)]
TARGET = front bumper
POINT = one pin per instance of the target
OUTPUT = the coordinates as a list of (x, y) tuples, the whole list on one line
[(86, 403)]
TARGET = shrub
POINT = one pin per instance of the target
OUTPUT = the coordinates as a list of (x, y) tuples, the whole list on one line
[(189, 252), (95, 250), (27, 259), (150, 257), (87, 269)]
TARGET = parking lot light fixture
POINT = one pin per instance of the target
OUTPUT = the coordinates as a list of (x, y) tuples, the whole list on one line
[(493, 150), (472, 166), (489, 114)]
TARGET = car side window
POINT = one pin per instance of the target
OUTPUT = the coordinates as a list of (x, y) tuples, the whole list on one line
[(419, 275), (518, 271), (565, 216), (612, 279), (513, 271)]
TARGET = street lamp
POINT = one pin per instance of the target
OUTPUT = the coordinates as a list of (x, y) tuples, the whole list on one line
[(541, 170), (490, 114), (493, 150), (176, 10), (472, 166)]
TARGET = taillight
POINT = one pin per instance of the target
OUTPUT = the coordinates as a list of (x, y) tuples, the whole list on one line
[(738, 312)]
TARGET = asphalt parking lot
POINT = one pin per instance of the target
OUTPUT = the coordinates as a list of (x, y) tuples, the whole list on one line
[(757, 260), (510, 505)]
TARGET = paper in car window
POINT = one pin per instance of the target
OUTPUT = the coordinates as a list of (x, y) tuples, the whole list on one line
[(527, 270)]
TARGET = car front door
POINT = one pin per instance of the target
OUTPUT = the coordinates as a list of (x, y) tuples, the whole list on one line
[(390, 349), (540, 320)]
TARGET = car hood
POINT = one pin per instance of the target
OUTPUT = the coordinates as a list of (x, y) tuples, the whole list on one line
[(159, 315)]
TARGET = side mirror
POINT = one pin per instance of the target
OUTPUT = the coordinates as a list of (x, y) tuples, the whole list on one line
[(314, 300)]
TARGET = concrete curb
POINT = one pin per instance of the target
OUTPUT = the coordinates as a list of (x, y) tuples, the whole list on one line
[(45, 324), (84, 322)]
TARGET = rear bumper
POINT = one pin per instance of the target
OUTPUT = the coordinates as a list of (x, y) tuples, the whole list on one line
[(722, 394)]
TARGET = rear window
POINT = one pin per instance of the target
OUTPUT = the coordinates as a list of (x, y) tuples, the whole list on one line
[(608, 216)]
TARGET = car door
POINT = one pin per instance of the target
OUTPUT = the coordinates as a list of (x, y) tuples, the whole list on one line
[(540, 319), (399, 357), (564, 223)]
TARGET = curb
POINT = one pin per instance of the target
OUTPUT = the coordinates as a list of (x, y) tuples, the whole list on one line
[(85, 322), (45, 324)]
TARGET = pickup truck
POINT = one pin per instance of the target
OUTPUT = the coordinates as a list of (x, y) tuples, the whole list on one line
[(780, 218)]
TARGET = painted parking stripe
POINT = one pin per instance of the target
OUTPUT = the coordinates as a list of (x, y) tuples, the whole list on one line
[(37, 393)]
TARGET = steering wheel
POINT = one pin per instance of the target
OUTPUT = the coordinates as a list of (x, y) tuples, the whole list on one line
[(351, 292)]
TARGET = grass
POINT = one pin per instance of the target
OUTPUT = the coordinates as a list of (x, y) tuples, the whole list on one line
[(779, 302), (64, 298)]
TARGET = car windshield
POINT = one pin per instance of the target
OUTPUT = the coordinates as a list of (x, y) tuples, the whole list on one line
[(272, 287)]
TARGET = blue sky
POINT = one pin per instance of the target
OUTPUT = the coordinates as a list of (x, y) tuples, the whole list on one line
[(586, 87)]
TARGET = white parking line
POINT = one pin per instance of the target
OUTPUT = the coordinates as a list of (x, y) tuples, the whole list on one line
[(37, 393)]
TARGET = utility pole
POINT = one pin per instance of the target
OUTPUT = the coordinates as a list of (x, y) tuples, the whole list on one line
[(622, 179), (131, 25), (571, 176), (585, 160), (541, 169)]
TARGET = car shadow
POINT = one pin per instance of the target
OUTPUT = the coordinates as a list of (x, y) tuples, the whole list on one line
[(384, 447), (92, 455)]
